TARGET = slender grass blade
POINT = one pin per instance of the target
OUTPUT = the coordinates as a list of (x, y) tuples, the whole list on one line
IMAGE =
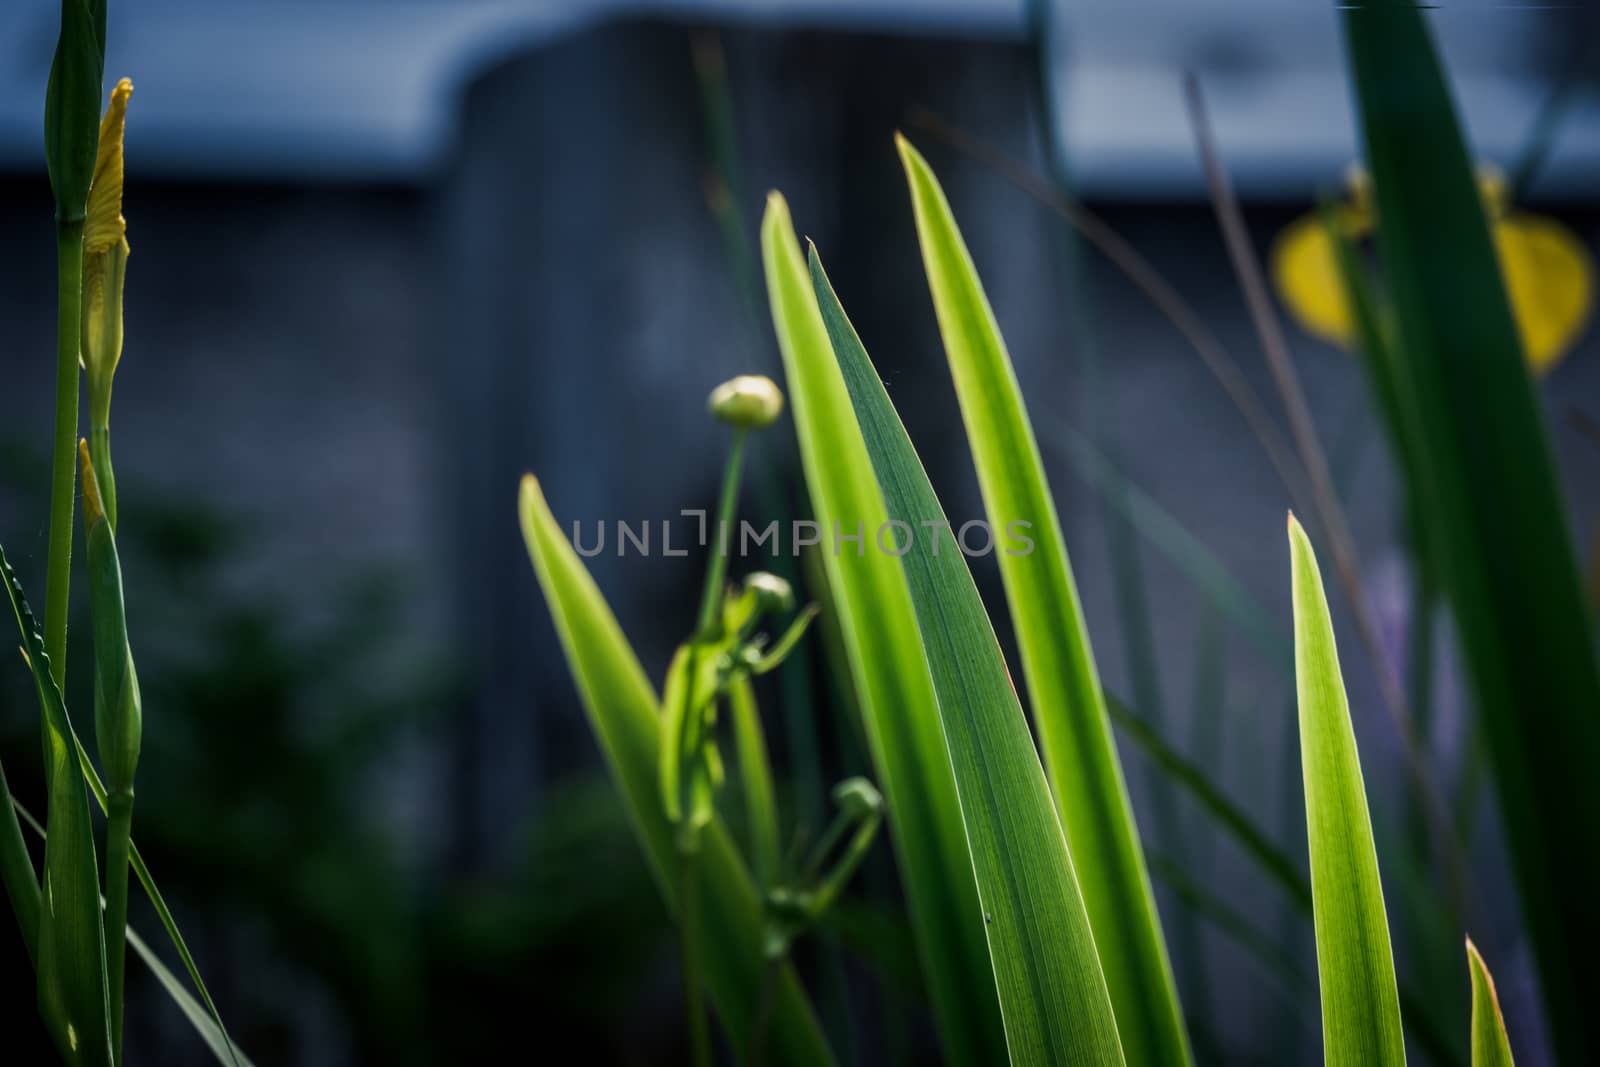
[(1053, 996), (1058, 664), (1355, 964), (886, 660)]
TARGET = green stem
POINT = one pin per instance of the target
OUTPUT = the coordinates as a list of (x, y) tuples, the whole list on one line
[(100, 456), (707, 625), (717, 571), (693, 984), (119, 841), (63, 465), (819, 852)]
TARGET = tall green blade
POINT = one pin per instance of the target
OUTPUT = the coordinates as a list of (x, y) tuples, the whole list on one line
[(1355, 965), (625, 714), (1053, 996), (879, 625), (71, 956), (1490, 1045), (1057, 661), (1498, 525)]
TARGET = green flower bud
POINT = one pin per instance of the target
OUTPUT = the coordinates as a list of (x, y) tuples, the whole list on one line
[(72, 104), (118, 714), (771, 592), (748, 402), (858, 798)]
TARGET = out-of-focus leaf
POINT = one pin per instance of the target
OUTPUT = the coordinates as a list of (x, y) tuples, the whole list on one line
[(1063, 685), (625, 715), (755, 778), (1497, 526), (886, 661), (71, 957), (1355, 965), (1053, 996), (1490, 1046)]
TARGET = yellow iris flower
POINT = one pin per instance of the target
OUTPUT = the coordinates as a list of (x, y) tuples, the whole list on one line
[(1549, 276)]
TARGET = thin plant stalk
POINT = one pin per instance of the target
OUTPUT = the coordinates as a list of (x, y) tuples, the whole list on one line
[(119, 842), (707, 621), (717, 571), (1328, 509), (1135, 626), (64, 450), (694, 1001), (1144, 276), (118, 724)]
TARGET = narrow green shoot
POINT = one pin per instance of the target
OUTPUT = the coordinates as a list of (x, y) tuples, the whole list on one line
[(71, 122), (878, 623), (1355, 964), (1058, 664), (1053, 995)]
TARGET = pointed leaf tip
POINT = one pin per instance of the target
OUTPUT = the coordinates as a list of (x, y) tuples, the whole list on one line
[(1490, 1045)]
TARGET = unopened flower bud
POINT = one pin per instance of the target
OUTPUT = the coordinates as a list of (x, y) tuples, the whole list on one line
[(72, 100), (771, 592), (118, 709), (858, 797), (105, 260), (749, 402)]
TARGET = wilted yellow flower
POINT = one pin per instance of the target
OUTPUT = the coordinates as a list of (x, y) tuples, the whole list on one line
[(1549, 277), (105, 258)]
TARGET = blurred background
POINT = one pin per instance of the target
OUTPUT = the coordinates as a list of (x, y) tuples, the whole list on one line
[(388, 256)]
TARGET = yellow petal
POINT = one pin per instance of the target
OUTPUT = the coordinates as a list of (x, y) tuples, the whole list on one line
[(1305, 272), (1550, 281), (104, 225)]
